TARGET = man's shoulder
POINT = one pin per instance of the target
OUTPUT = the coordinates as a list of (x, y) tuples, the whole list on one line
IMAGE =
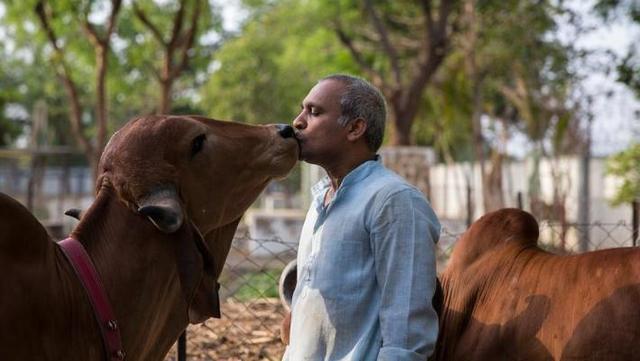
[(383, 182)]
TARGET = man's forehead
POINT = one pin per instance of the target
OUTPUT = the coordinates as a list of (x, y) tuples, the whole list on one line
[(324, 92)]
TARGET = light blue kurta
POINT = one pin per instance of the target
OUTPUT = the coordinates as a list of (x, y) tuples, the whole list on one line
[(366, 272)]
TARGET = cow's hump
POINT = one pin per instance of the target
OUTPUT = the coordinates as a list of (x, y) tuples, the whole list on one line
[(21, 234)]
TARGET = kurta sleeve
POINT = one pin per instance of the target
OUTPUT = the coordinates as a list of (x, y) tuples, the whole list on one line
[(404, 233)]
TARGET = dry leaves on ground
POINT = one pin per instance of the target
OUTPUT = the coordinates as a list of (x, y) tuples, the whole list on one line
[(248, 331)]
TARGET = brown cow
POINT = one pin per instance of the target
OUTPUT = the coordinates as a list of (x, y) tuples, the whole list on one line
[(165, 185), (506, 299)]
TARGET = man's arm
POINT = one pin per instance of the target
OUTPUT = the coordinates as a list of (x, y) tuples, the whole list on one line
[(403, 237), (285, 327)]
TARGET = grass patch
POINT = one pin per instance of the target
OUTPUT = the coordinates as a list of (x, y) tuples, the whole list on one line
[(258, 285)]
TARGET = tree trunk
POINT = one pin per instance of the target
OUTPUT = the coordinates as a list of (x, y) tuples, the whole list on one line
[(492, 184), (409, 74), (101, 50), (102, 115), (491, 178), (180, 43), (401, 121), (165, 96)]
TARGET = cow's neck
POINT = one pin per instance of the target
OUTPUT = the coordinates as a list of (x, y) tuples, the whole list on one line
[(138, 271)]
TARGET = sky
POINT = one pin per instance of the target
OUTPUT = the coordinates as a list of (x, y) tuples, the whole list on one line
[(616, 111)]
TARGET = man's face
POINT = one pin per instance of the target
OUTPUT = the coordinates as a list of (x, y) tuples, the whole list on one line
[(321, 138)]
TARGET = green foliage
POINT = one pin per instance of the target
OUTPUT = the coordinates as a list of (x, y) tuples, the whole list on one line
[(526, 67), (522, 74), (263, 74), (444, 119), (28, 66), (9, 128), (142, 56), (34, 65), (26, 77), (258, 285), (629, 66), (626, 166), (629, 70)]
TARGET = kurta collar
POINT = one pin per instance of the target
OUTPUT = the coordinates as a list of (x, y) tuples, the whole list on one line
[(357, 174)]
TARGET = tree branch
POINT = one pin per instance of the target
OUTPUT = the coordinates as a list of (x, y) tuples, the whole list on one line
[(435, 50), (190, 36), (44, 21), (428, 17), (115, 8), (91, 32), (145, 20), (77, 127), (357, 55), (384, 39), (177, 26)]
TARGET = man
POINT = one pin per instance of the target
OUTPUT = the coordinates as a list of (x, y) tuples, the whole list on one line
[(366, 261)]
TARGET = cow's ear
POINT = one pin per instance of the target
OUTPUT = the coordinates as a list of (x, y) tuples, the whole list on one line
[(162, 207), (196, 270), (205, 301)]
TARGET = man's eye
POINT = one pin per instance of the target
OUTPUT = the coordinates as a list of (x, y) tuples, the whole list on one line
[(314, 111)]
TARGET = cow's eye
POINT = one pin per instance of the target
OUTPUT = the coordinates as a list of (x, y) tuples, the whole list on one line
[(197, 144)]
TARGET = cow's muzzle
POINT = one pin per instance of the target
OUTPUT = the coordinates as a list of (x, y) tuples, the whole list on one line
[(285, 131)]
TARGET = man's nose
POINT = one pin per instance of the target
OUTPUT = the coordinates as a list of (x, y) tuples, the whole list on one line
[(299, 122)]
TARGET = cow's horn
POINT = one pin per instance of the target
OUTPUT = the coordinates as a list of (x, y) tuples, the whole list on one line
[(74, 213), (163, 209)]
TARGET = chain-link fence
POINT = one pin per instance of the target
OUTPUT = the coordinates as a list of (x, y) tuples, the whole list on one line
[(251, 311)]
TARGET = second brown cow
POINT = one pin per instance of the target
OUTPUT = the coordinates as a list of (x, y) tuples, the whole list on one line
[(507, 299)]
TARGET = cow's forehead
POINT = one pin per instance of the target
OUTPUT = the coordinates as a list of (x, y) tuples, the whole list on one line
[(161, 126), (155, 128), (150, 133), (155, 136)]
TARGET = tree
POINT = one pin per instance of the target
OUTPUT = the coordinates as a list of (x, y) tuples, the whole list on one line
[(628, 67), (175, 45), (400, 45), (99, 37), (25, 76), (9, 126), (264, 72), (506, 73), (626, 166)]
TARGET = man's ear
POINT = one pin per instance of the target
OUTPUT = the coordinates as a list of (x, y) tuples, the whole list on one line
[(356, 129)]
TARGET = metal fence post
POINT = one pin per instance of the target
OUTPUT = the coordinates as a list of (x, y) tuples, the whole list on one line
[(519, 200), (469, 206), (635, 221), (182, 346)]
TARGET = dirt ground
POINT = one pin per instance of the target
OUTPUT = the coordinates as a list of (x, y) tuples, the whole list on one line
[(247, 331)]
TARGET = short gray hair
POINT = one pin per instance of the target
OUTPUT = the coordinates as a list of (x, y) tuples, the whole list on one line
[(360, 99)]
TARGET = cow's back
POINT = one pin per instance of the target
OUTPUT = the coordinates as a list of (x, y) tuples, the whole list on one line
[(594, 305), (532, 305)]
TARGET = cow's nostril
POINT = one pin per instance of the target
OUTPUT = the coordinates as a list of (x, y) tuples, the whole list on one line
[(285, 131)]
